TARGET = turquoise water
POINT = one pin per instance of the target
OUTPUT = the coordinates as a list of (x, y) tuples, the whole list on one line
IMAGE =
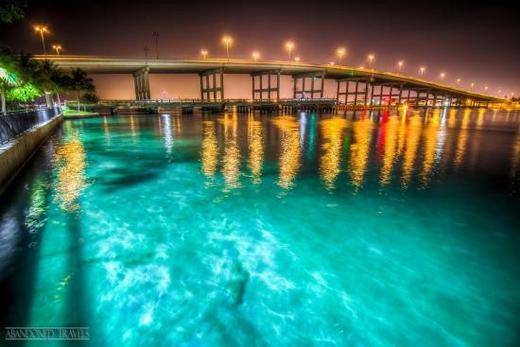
[(239, 230)]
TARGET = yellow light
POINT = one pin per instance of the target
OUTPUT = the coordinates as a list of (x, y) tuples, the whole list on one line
[(204, 53), (227, 40), (289, 46), (442, 75), (331, 63), (458, 80), (472, 84), (255, 55), (297, 59), (57, 48), (400, 64), (41, 29), (486, 88), (371, 57), (421, 70), (341, 52)]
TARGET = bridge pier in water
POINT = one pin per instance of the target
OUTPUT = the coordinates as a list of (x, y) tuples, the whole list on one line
[(142, 83), (352, 92)]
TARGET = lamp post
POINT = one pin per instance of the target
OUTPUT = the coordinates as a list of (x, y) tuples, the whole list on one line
[(421, 70), (227, 41), (42, 30), (57, 48), (155, 35), (289, 46), (297, 59), (400, 64), (442, 75), (204, 53), (370, 59), (340, 53), (255, 55)]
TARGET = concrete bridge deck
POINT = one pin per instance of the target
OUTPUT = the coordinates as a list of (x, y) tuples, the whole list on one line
[(373, 83)]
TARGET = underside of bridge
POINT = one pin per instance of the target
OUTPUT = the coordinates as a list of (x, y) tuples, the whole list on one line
[(354, 87)]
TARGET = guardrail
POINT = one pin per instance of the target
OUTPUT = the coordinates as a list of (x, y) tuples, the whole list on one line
[(15, 123)]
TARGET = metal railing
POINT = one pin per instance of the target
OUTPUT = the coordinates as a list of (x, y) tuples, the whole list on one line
[(15, 123)]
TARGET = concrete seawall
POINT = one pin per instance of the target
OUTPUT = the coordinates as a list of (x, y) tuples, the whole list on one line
[(17, 152)]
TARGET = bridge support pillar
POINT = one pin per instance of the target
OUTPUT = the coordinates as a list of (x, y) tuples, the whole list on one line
[(356, 88), (261, 91), (316, 90), (212, 85), (142, 83)]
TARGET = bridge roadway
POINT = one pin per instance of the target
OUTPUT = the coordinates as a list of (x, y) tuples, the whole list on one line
[(355, 86)]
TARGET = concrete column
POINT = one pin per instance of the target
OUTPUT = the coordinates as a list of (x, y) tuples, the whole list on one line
[(142, 84)]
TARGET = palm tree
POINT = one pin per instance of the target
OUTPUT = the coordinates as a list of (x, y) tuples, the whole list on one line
[(8, 75), (80, 82), (52, 79)]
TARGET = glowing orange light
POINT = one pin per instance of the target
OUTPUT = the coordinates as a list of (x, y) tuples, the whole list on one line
[(57, 48), (341, 52), (289, 46)]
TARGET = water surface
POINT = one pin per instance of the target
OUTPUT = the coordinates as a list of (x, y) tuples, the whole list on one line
[(374, 229)]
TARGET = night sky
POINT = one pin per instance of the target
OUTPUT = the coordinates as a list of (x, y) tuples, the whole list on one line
[(477, 41)]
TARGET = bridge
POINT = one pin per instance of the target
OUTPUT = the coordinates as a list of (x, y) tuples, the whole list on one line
[(355, 87)]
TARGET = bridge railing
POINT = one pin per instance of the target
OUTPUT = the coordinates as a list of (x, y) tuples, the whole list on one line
[(150, 102), (15, 123)]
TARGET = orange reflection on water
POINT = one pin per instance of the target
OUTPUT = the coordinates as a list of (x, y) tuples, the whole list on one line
[(231, 159), (289, 150), (209, 153), (69, 159), (462, 138), (412, 143), (133, 127), (390, 129), (332, 131), (256, 148), (359, 150), (515, 155), (430, 134)]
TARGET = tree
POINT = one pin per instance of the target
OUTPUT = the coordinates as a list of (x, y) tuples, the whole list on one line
[(80, 82), (8, 75), (12, 10)]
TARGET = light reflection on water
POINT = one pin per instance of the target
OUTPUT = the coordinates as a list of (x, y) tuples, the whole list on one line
[(376, 228)]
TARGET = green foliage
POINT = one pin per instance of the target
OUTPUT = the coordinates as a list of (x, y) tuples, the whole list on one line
[(89, 97), (23, 93), (24, 79), (12, 10)]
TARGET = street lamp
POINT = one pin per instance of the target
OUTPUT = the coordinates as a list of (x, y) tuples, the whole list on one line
[(228, 41), (255, 55), (57, 48), (42, 29), (289, 46), (204, 53), (442, 75), (297, 59), (472, 85), (400, 64), (458, 80), (370, 59), (421, 70), (340, 53), (486, 88)]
